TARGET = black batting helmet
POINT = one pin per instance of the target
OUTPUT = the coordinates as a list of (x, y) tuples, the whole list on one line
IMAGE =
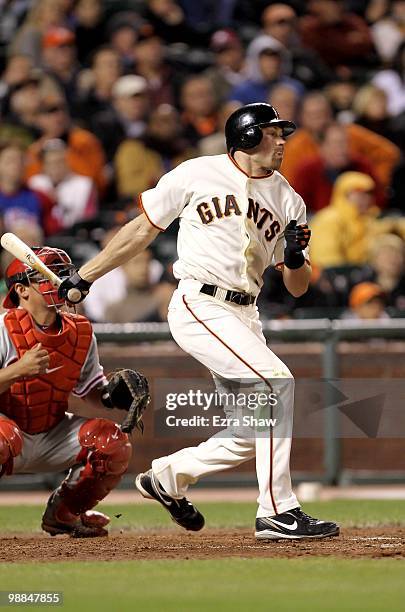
[(243, 128)]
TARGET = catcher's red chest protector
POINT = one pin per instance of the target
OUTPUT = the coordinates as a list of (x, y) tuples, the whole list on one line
[(38, 404)]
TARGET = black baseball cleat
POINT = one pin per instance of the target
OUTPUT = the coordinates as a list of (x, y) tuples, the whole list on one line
[(293, 525), (58, 520), (182, 511)]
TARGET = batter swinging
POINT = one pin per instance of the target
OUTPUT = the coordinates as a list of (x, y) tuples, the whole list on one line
[(238, 215)]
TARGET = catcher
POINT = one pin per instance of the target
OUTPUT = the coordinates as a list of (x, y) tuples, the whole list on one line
[(45, 354)]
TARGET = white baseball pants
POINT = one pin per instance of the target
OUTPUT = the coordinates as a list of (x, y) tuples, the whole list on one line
[(228, 340)]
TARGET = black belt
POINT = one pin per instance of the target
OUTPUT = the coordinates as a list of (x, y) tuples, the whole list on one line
[(226, 295)]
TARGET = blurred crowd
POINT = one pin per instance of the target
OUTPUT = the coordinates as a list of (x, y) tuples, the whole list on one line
[(99, 98)]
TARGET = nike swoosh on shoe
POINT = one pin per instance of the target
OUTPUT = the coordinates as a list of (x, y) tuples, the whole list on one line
[(291, 527)]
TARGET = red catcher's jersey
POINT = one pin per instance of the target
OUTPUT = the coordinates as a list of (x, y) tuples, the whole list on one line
[(38, 404)]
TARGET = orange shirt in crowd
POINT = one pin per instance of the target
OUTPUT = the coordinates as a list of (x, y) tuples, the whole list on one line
[(380, 152), (85, 156)]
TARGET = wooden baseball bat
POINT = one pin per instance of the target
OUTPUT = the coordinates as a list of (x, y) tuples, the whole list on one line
[(24, 253)]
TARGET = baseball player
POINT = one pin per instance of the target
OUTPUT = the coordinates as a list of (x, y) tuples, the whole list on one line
[(238, 215), (45, 354)]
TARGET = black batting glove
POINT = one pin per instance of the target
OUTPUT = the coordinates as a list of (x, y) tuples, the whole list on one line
[(74, 289), (297, 238)]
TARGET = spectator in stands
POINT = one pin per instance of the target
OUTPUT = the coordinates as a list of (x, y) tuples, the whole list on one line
[(17, 70), (59, 59), (387, 263), (123, 35), (43, 14), (28, 232), (343, 231), (165, 135), (85, 154), (392, 81), (141, 300), (315, 115), (75, 195), (388, 32), (373, 10), (371, 111), (89, 25), (215, 143), (19, 205), (163, 293), (21, 110), (169, 22), (229, 60), (341, 93), (101, 296), (96, 84), (151, 64), (370, 108), (267, 66), (339, 37), (386, 267), (199, 106), (286, 98), (315, 176), (128, 116), (139, 163), (367, 302), (280, 23), (133, 298)]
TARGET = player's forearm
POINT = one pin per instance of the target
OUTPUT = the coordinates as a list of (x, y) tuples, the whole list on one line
[(8, 376), (297, 281), (133, 238)]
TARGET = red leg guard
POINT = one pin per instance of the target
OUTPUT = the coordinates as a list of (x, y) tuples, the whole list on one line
[(11, 443), (109, 454)]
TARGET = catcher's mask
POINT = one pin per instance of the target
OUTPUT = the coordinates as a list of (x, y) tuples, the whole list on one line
[(18, 272)]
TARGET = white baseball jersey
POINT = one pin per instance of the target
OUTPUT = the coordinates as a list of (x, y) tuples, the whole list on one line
[(231, 225), (91, 374)]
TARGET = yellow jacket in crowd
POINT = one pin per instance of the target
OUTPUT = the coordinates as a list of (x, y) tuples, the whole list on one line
[(342, 233)]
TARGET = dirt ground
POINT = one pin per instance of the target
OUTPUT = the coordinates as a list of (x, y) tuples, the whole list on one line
[(209, 544)]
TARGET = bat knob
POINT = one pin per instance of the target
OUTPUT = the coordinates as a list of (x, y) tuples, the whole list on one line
[(74, 288), (74, 296)]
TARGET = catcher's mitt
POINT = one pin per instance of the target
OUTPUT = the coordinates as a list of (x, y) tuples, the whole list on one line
[(129, 390)]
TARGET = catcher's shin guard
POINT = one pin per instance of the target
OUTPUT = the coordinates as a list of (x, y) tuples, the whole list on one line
[(11, 443), (108, 453)]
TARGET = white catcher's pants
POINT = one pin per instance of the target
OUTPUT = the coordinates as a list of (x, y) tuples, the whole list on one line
[(228, 340)]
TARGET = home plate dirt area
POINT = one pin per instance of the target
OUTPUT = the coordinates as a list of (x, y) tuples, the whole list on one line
[(374, 542)]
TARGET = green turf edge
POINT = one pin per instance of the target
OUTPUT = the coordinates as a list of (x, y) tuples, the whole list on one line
[(150, 515)]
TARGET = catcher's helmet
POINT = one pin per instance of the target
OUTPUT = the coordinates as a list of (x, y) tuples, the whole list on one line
[(18, 272), (243, 128)]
